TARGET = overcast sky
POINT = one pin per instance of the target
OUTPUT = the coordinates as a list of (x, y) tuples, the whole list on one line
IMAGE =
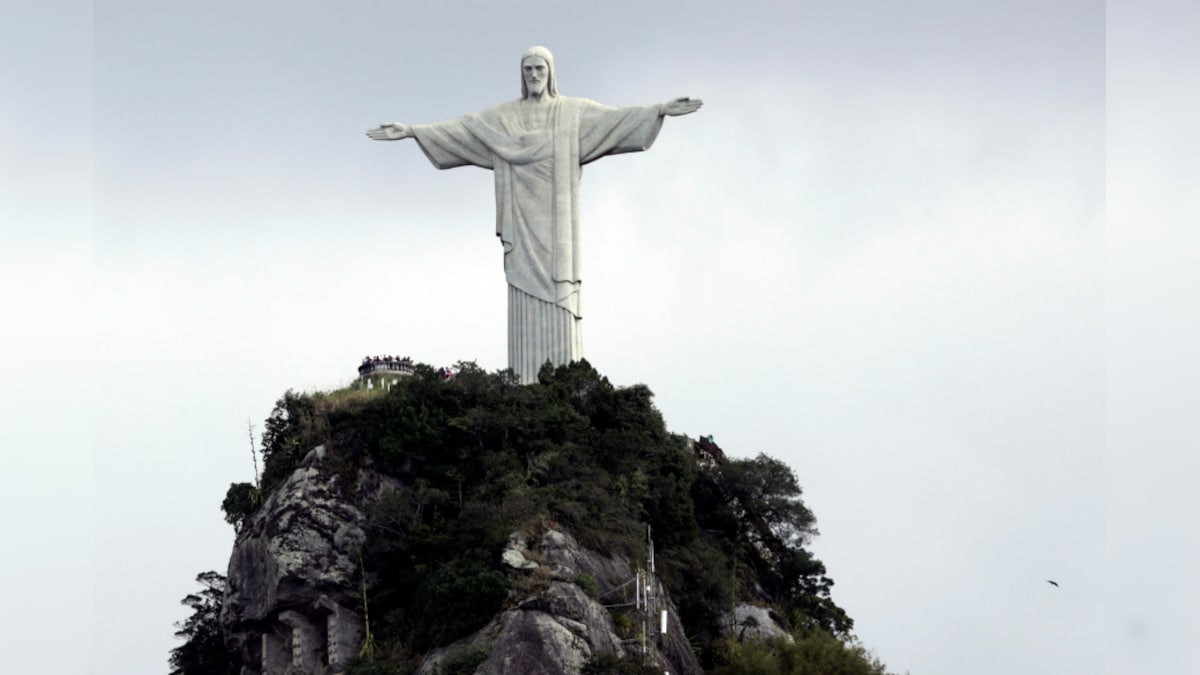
[(879, 253)]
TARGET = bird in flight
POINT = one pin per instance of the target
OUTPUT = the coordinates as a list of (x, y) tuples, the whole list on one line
[(1052, 582)]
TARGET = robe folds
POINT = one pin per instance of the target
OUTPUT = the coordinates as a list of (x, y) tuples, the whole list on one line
[(537, 175)]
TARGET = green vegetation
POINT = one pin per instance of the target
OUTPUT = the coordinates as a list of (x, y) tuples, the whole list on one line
[(203, 652), (240, 501), (816, 652), (464, 661), (588, 584), (479, 456), (607, 664)]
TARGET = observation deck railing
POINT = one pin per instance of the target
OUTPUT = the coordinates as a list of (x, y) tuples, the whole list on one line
[(385, 365)]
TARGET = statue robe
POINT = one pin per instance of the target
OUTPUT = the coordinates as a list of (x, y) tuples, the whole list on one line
[(537, 174)]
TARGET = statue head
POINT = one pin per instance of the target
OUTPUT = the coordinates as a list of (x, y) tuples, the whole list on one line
[(535, 56)]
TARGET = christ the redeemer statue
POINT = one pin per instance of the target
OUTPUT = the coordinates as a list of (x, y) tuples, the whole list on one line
[(537, 146)]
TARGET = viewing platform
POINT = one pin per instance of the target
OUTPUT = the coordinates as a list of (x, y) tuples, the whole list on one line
[(385, 364), (383, 371)]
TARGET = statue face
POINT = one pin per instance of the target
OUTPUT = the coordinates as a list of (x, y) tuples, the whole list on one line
[(536, 72)]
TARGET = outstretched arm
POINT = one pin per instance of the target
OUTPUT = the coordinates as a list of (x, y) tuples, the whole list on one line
[(680, 106), (392, 131)]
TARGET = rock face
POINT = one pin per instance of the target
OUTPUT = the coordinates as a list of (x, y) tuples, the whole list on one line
[(292, 598), (748, 621), (558, 628), (556, 632)]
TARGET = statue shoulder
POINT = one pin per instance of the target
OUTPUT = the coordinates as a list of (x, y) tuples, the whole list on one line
[(504, 109), (587, 106), (579, 103), (579, 108)]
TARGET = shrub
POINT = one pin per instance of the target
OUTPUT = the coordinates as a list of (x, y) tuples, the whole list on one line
[(240, 501), (818, 652), (588, 584), (464, 661), (610, 664), (456, 600)]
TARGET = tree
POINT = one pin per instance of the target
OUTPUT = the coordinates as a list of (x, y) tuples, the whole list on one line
[(204, 651), (240, 501), (767, 491), (756, 504)]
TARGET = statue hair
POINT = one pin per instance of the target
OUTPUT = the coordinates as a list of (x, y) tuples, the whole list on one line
[(551, 81)]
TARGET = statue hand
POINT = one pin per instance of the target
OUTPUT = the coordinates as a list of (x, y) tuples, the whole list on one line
[(681, 106), (392, 131)]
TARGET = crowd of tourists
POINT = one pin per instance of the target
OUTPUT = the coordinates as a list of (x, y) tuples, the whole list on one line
[(398, 364), (372, 364)]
